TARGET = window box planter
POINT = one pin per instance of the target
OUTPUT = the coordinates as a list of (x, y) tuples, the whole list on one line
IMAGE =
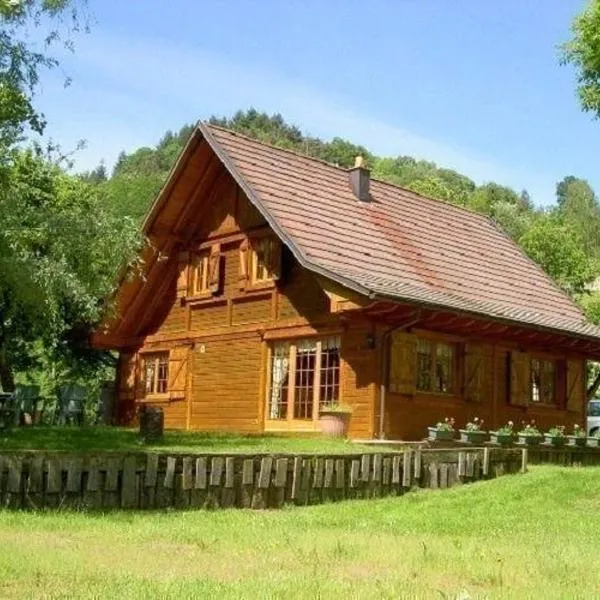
[(473, 437), (530, 440), (577, 440), (335, 422), (593, 442), (441, 434), (555, 440), (503, 439)]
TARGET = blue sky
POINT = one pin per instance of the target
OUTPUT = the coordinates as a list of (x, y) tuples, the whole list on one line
[(473, 85)]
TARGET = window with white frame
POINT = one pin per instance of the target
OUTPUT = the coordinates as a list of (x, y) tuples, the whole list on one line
[(304, 376), (155, 372)]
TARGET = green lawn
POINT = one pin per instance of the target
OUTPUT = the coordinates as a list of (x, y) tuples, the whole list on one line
[(87, 439), (522, 536)]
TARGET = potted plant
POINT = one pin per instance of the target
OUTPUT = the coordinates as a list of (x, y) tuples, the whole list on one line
[(444, 430), (556, 436), (473, 432), (504, 435), (577, 437), (335, 419), (529, 434)]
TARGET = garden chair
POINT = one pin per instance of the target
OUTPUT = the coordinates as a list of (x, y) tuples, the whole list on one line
[(71, 403), (7, 409), (27, 400)]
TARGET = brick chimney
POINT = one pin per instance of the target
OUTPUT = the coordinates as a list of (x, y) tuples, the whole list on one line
[(360, 179)]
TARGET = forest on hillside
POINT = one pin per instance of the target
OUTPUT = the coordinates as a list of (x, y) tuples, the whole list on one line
[(563, 238)]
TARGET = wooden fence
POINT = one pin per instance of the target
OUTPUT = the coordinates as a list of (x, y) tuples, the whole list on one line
[(567, 456), (152, 481)]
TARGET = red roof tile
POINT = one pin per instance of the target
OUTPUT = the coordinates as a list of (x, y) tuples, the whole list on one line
[(400, 245)]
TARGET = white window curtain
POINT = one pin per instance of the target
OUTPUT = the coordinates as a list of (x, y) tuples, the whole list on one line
[(280, 369)]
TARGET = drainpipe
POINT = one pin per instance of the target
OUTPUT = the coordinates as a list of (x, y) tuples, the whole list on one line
[(384, 365)]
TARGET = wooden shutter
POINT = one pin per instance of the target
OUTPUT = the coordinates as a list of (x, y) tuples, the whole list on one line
[(244, 264), (183, 271), (403, 364), (276, 251), (140, 384), (520, 378), (575, 386), (214, 269), (126, 375), (178, 359), (478, 373)]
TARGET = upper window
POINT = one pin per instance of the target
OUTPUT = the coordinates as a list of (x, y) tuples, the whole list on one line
[(200, 274), (155, 372), (436, 367), (262, 260), (543, 381), (305, 376)]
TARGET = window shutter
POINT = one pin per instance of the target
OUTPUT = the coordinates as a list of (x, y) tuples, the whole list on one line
[(478, 373), (520, 378), (183, 271), (140, 388), (244, 264), (575, 386), (178, 358), (127, 375), (403, 363), (276, 251), (214, 269)]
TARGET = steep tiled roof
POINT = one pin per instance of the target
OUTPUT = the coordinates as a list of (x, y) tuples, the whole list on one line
[(400, 245)]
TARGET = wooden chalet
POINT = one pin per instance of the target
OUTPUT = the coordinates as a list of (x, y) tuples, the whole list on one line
[(277, 284)]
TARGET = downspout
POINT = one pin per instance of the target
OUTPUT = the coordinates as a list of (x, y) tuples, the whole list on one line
[(384, 366)]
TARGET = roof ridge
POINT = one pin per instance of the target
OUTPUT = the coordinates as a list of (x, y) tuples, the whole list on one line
[(469, 211)]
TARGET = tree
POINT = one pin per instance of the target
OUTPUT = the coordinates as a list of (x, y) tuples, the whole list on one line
[(583, 52), (21, 63), (559, 249), (61, 250)]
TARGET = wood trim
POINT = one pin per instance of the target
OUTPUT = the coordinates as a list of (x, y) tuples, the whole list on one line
[(435, 336), (300, 331), (317, 381), (263, 382), (292, 383)]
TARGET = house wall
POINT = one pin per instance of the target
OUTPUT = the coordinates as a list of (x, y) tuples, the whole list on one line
[(225, 338), (407, 416)]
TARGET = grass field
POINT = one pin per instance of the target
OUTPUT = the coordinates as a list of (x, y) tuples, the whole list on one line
[(86, 439), (523, 536)]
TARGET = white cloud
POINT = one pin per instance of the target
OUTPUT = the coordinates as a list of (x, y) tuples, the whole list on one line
[(130, 91)]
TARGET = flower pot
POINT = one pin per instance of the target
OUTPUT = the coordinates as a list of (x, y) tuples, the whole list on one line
[(530, 440), (440, 434), (334, 423), (577, 440), (504, 439), (593, 442), (555, 440), (473, 437)]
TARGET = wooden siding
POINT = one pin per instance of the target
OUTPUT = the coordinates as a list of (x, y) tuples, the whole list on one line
[(225, 384)]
